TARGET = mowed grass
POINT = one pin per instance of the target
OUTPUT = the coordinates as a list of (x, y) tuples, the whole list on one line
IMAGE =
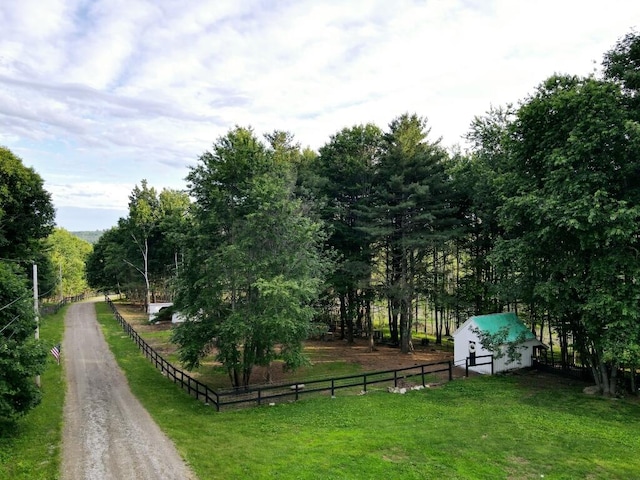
[(483, 428), (30, 447)]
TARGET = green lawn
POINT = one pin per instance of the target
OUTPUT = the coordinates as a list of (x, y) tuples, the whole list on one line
[(30, 447), (483, 428)]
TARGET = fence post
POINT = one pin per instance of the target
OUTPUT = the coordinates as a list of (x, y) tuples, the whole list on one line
[(466, 367), (491, 364), (213, 396)]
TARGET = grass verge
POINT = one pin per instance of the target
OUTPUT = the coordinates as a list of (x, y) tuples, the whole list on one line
[(30, 447), (486, 427)]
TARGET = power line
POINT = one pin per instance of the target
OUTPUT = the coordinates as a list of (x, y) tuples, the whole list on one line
[(43, 295), (7, 325), (16, 300)]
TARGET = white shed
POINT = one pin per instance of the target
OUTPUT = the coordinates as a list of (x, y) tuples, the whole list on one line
[(469, 351), (154, 310)]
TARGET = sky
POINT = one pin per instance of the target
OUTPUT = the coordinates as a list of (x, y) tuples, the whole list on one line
[(96, 95)]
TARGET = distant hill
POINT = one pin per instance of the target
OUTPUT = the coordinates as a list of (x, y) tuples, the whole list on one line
[(91, 237)]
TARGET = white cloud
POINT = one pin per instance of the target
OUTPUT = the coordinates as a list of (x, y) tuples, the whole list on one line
[(92, 194), (139, 88)]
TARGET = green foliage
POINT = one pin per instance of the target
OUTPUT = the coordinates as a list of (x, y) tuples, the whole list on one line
[(26, 212), (144, 251), (21, 356), (622, 64), (343, 182), (26, 218), (498, 344), (105, 266), (253, 265), (69, 254), (477, 180), (571, 214), (410, 213)]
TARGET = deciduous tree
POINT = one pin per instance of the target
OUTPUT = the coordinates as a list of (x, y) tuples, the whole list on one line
[(68, 255), (253, 265), (571, 208), (21, 356), (26, 212)]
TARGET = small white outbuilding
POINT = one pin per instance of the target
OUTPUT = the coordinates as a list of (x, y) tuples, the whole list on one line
[(468, 350), (154, 310)]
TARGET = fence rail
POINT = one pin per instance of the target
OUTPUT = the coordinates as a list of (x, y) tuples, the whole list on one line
[(468, 363), (270, 393), (51, 309), (187, 382), (579, 372)]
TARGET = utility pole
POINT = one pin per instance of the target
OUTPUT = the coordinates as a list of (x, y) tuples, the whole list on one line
[(61, 286), (36, 310)]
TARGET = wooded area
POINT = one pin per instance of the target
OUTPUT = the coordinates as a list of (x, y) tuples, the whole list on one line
[(539, 216)]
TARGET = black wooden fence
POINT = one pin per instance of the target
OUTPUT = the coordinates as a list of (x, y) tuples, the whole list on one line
[(265, 394), (473, 363), (628, 377), (186, 382), (45, 310)]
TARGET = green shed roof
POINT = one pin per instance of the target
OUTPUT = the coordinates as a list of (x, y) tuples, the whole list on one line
[(494, 322)]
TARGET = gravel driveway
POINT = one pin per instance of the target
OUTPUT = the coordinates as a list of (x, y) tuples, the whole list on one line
[(107, 433)]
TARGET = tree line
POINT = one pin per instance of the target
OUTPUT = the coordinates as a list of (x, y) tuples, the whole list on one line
[(539, 216), (28, 237)]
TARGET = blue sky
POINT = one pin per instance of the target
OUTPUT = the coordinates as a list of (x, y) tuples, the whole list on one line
[(97, 95)]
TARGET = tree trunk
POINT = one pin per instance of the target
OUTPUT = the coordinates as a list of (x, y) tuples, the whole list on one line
[(146, 275), (393, 321), (369, 322), (343, 315), (351, 309)]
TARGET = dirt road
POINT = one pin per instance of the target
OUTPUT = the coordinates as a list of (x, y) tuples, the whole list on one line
[(107, 433)]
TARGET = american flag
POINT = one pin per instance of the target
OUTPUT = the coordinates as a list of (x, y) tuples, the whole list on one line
[(55, 351)]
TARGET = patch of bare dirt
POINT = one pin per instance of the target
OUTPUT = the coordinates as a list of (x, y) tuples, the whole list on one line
[(382, 358)]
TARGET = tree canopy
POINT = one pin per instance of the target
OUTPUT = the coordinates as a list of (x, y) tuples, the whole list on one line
[(68, 256), (21, 356), (538, 216), (26, 219), (140, 256), (254, 262), (571, 214), (26, 212)]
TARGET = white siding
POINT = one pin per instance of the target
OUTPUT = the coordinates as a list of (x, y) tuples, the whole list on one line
[(464, 336), (503, 364), (154, 309)]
